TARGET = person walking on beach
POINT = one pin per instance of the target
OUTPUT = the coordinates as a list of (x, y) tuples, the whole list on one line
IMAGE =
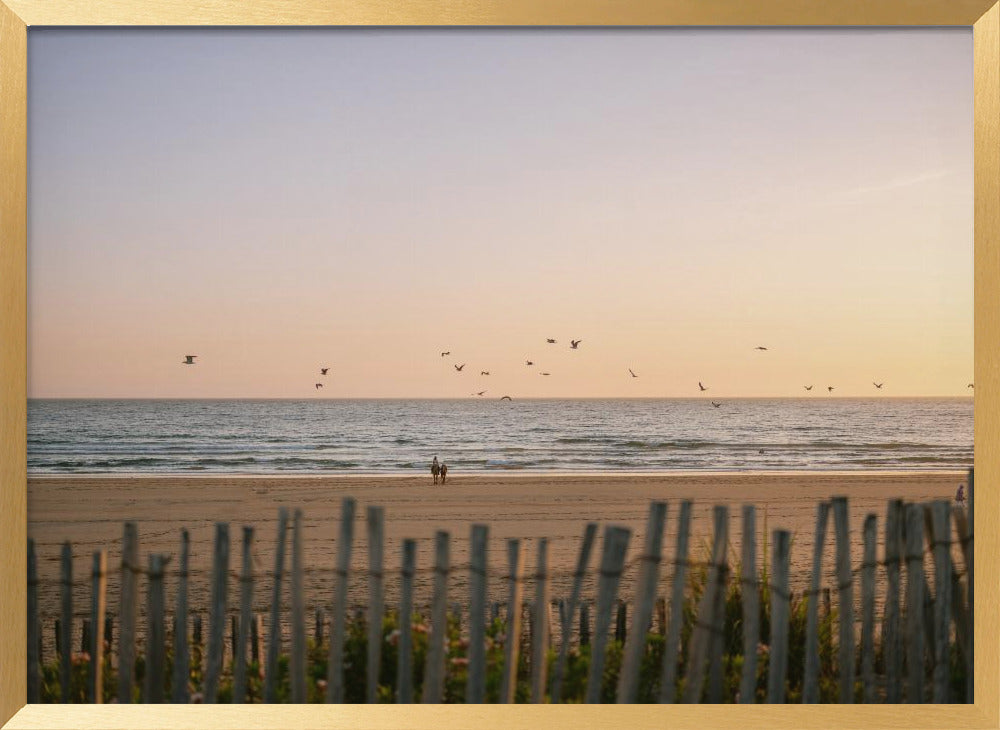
[(435, 469), (960, 495), (444, 472)]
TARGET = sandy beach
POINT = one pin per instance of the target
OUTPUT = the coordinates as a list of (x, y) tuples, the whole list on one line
[(89, 512)]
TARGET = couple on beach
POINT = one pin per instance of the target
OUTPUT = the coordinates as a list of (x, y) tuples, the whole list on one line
[(439, 470)]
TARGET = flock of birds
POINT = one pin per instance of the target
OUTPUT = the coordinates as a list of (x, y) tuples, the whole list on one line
[(574, 345)]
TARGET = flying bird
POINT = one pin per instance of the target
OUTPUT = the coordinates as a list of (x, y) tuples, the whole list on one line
[(701, 387), (506, 397), (189, 360), (807, 387), (573, 344), (829, 389), (528, 363), (322, 371), (318, 386), (445, 353), (551, 341), (459, 367), (484, 372), (545, 373), (480, 393), (760, 348), (716, 404), (878, 385), (632, 373), (970, 385)]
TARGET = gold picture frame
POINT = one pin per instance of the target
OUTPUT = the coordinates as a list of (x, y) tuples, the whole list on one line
[(17, 16)]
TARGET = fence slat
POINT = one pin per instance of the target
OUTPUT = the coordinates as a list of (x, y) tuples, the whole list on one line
[(810, 680), (777, 670), (34, 635), (274, 628), (584, 624), (217, 612), (155, 631), (297, 665), (845, 600), (668, 684), (434, 672), (376, 555), (750, 594), (246, 617), (256, 631), (868, 610), (475, 687), (515, 578), (941, 516), (127, 614), (915, 603), (715, 637), (540, 639), (182, 656), (582, 561), (95, 644), (970, 569), (404, 668), (649, 576), (612, 561), (701, 635), (338, 624), (891, 644), (66, 625)]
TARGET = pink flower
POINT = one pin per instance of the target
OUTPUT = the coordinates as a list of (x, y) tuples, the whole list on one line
[(321, 684), (421, 628), (393, 638), (197, 698), (459, 661)]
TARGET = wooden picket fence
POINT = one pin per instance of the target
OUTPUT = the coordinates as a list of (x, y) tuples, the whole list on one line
[(920, 626)]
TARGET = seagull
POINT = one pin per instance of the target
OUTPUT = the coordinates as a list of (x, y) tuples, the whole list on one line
[(445, 353), (573, 344), (701, 387), (484, 372), (322, 371), (528, 363), (545, 373), (970, 385), (829, 389), (480, 393), (189, 360), (506, 397), (632, 373), (716, 404), (807, 387), (760, 348), (878, 385), (551, 341), (459, 367), (318, 386)]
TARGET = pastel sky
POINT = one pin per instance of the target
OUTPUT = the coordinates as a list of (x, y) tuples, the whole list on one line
[(274, 201)]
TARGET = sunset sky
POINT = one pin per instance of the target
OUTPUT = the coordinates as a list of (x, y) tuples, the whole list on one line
[(275, 201)]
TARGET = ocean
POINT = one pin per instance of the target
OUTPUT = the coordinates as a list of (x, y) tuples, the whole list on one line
[(476, 435)]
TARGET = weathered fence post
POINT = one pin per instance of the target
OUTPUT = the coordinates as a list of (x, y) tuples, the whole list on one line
[(582, 561), (750, 593), (182, 656), (941, 515), (891, 645), (217, 612), (129, 587), (95, 671), (335, 664), (319, 619), (34, 635), (621, 620), (661, 616), (511, 644), (962, 529), (845, 600), (297, 666), (778, 662), (434, 672), (701, 635), (668, 684), (256, 631), (868, 610), (155, 631), (810, 680), (584, 624), (915, 603), (66, 633), (541, 636), (274, 628), (85, 637), (404, 667), (246, 617), (376, 548), (649, 576), (475, 687), (970, 570), (612, 561)]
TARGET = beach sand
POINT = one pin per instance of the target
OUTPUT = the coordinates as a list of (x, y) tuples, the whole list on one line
[(89, 512)]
